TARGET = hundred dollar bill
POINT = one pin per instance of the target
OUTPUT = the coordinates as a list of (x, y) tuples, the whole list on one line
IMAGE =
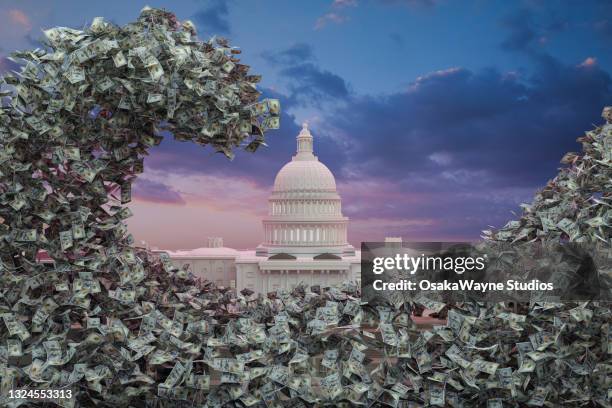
[(14, 348), (436, 394), (119, 59), (65, 239)]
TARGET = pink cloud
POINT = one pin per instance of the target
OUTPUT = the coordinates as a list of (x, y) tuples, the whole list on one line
[(329, 18), (233, 207), (378, 228), (188, 226), (420, 80), (334, 17), (220, 193), (19, 17), (589, 62), (175, 211)]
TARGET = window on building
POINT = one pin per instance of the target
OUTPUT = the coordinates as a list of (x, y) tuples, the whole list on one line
[(282, 256), (327, 256)]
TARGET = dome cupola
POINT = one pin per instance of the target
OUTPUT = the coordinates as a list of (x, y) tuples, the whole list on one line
[(304, 173)]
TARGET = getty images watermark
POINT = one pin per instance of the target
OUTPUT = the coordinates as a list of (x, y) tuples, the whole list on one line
[(405, 264), (489, 272)]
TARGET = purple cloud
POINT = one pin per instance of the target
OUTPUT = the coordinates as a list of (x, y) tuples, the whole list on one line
[(156, 192), (460, 147), (308, 83), (312, 85), (490, 123), (296, 54)]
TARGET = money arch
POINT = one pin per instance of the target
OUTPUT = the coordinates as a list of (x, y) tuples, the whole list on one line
[(75, 124)]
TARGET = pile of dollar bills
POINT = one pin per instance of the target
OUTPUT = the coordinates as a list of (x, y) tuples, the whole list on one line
[(577, 204), (120, 326)]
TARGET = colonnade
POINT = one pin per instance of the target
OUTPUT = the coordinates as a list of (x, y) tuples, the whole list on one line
[(305, 234), (272, 280), (305, 207)]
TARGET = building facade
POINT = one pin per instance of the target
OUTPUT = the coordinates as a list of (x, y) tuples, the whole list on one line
[(304, 235)]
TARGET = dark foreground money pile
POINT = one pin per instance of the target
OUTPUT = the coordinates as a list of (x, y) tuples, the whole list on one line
[(122, 327), (182, 343)]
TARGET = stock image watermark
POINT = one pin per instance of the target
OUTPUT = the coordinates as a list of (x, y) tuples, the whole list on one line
[(459, 271)]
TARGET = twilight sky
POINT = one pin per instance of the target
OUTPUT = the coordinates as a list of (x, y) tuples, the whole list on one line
[(438, 117)]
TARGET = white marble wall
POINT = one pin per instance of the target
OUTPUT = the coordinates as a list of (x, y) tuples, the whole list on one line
[(220, 271), (264, 281), (228, 273)]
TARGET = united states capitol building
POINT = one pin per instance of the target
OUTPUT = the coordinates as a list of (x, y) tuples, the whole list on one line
[(304, 235)]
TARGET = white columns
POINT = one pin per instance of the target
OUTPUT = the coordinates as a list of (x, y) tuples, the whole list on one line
[(305, 234)]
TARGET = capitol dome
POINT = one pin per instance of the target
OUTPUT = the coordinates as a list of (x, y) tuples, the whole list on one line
[(305, 211), (311, 175), (304, 172)]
